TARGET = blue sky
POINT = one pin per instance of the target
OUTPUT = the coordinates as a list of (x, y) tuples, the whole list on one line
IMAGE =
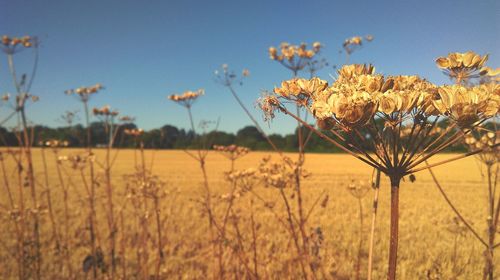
[(144, 50)]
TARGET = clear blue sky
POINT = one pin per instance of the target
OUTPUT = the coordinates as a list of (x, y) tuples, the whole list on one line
[(144, 50)]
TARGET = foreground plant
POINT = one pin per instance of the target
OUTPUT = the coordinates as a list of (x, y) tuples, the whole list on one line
[(465, 69), (364, 113), (30, 262), (187, 99), (83, 94)]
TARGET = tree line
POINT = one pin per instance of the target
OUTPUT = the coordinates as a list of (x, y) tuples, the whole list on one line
[(171, 137)]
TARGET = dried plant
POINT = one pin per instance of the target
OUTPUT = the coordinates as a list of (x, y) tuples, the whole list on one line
[(10, 47), (361, 107), (83, 94), (359, 189), (462, 67), (186, 100), (294, 57), (354, 43)]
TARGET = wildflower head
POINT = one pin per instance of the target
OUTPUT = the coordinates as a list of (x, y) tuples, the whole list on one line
[(232, 152), (54, 143), (383, 107), (105, 112), (134, 132), (268, 104), (485, 139), (354, 43), (187, 98), (359, 188), (11, 45), (84, 93), (461, 67), (294, 57), (228, 77)]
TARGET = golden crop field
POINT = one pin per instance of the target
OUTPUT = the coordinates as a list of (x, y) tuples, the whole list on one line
[(432, 244), (131, 146)]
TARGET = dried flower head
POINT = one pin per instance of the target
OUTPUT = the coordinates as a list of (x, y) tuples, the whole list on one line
[(227, 77), (232, 152), (408, 106), (11, 45), (353, 43), (462, 67), (187, 98), (268, 104), (84, 93), (135, 132), (280, 174), (359, 188), (54, 143), (105, 111), (485, 139), (294, 57)]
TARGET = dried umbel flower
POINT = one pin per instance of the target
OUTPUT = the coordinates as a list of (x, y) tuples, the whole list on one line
[(135, 132), (461, 67), (353, 43), (84, 93), (294, 57), (78, 161), (228, 77), (126, 119), (105, 111), (366, 113), (54, 143), (232, 152), (10, 45), (268, 104), (485, 140), (187, 98), (301, 90), (20, 100), (467, 105), (359, 188), (280, 174), (246, 179), (359, 97)]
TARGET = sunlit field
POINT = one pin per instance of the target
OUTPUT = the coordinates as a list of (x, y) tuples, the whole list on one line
[(249, 140), (433, 245)]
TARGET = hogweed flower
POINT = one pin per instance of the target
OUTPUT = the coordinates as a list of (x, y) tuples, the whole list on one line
[(359, 188), (54, 143), (367, 113), (232, 152), (187, 98), (84, 93), (485, 140), (228, 77), (294, 57), (11, 45), (134, 132), (462, 67), (354, 43), (105, 111)]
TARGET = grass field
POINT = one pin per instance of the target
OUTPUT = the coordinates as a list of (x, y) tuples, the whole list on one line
[(432, 245)]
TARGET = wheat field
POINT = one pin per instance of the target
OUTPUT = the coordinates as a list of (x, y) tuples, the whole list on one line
[(433, 245)]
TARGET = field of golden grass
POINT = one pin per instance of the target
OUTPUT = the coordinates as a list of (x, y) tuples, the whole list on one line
[(432, 245)]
